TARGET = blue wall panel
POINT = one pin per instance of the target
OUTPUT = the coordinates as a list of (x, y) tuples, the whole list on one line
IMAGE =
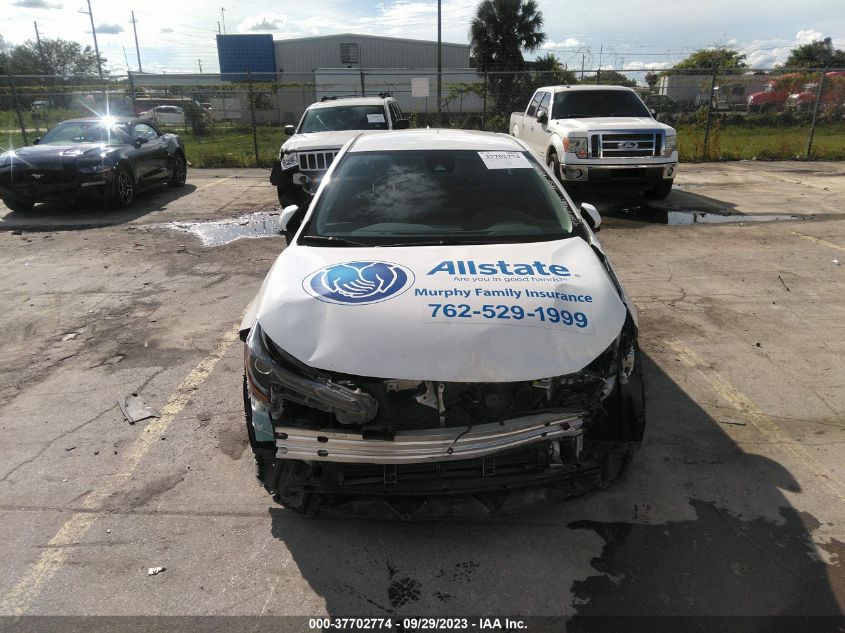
[(252, 53)]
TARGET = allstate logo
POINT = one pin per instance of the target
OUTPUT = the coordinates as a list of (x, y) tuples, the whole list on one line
[(358, 283)]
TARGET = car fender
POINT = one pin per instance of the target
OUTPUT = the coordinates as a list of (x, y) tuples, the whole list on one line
[(556, 144)]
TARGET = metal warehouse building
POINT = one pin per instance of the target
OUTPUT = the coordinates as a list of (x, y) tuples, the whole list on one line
[(309, 68)]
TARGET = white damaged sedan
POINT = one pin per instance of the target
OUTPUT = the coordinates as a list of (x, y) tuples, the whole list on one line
[(443, 323)]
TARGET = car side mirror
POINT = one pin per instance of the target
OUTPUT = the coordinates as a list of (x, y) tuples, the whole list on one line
[(140, 140), (542, 117), (36, 140), (290, 130), (591, 216), (402, 124), (287, 213)]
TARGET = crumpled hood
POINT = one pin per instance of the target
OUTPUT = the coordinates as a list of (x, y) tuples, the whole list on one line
[(446, 313), (319, 140), (602, 124), (43, 155)]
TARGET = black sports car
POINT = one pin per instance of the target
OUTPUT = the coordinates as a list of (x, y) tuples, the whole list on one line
[(107, 157)]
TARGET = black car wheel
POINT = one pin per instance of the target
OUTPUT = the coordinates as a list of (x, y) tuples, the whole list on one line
[(19, 206), (660, 191), (180, 171), (124, 188)]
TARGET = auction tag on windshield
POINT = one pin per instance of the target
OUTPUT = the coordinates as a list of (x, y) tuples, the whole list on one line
[(505, 160), (375, 118)]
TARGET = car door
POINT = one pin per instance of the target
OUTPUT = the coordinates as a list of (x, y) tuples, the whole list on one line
[(150, 155), (538, 134), (527, 123)]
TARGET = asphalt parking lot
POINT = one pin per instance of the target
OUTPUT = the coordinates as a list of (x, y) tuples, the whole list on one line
[(735, 504)]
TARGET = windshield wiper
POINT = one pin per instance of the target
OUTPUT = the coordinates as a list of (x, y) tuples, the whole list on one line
[(330, 240)]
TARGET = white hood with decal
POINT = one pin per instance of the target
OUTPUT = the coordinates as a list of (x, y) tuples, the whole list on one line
[(488, 313)]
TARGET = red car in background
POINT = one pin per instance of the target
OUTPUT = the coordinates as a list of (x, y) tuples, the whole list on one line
[(833, 92), (775, 93)]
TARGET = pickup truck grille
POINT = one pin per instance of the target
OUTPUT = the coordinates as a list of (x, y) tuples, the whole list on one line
[(316, 161), (625, 145)]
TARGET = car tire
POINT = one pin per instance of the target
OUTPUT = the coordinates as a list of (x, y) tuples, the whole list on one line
[(623, 417), (18, 205), (124, 188), (660, 191), (180, 171), (554, 165)]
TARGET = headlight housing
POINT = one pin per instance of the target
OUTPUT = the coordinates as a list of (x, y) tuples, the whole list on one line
[(576, 144), (670, 144), (94, 168), (289, 160)]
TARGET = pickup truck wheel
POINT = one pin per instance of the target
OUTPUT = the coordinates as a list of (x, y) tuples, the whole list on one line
[(660, 191), (554, 165), (19, 206)]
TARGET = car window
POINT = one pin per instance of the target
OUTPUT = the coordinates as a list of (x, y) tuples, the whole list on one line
[(101, 131), (347, 117), (544, 103), (598, 103), (145, 131), (399, 113), (394, 115), (416, 195), (532, 107)]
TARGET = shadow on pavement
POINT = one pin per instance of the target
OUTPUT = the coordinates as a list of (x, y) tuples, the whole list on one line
[(695, 526), (88, 213)]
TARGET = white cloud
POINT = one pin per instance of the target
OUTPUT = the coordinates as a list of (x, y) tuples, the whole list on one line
[(569, 42), (109, 29), (272, 22), (768, 53)]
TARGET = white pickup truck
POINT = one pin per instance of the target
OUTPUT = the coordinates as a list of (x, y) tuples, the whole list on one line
[(599, 135)]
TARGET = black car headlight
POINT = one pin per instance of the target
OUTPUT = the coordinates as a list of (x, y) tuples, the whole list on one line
[(94, 168)]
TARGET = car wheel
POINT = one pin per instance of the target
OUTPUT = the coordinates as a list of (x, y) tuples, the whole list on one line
[(660, 191), (554, 165), (180, 171), (124, 188), (19, 206), (623, 415)]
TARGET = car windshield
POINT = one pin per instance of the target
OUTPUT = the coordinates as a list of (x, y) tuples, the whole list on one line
[(407, 197), (110, 132), (349, 117), (597, 103)]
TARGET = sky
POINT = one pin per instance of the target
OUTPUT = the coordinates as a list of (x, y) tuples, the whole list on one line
[(620, 34)]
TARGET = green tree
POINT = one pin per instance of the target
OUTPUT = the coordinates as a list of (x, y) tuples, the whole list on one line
[(61, 57), (499, 32), (705, 59), (549, 70), (651, 79), (614, 78), (816, 54)]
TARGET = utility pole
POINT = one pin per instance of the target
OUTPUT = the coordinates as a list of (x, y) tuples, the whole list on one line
[(94, 33), (125, 59), (199, 61), (439, 63), (41, 50), (223, 16), (137, 49), (218, 28)]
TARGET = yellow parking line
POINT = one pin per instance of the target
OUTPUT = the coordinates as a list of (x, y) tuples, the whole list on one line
[(759, 421), (214, 183), (20, 598), (818, 240)]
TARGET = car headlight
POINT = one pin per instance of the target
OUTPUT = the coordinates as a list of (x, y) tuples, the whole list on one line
[(289, 160), (5, 159), (670, 145), (94, 168), (576, 144)]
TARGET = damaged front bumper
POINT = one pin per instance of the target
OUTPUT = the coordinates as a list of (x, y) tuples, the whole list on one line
[(427, 445)]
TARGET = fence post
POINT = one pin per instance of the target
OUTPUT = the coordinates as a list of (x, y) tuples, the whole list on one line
[(363, 85), (18, 111), (706, 148), (484, 104), (132, 92), (816, 112), (252, 117)]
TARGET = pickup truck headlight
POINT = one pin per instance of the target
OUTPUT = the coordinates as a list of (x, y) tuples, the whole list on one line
[(289, 160), (576, 144), (670, 145)]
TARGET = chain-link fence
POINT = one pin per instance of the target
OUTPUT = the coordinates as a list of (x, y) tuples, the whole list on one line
[(237, 120)]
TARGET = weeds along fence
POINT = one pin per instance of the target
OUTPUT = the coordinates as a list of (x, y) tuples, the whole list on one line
[(238, 120)]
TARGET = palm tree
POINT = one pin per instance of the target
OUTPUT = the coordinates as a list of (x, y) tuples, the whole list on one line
[(499, 32)]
